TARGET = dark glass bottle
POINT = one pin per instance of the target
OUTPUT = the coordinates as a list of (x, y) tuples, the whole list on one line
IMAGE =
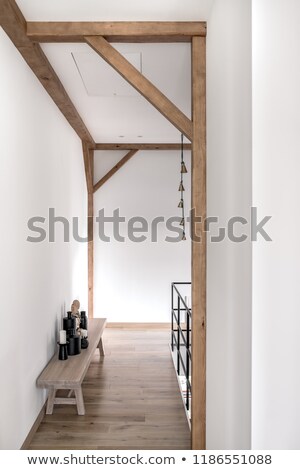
[(69, 324), (83, 321)]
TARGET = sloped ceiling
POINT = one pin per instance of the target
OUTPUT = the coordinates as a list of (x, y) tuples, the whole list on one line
[(118, 113)]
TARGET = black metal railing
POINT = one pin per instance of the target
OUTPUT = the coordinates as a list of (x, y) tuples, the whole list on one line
[(181, 337)]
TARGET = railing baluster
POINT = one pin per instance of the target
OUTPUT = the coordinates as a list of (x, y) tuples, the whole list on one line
[(187, 359), (172, 317), (178, 335)]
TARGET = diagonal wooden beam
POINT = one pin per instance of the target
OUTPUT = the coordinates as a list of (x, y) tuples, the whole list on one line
[(120, 31), (114, 170), (14, 24), (141, 84), (141, 146)]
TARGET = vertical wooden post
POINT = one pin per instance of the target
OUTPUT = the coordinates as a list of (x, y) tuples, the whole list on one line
[(88, 158), (199, 247), (91, 240)]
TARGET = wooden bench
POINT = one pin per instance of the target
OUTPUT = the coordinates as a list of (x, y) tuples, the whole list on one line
[(69, 374)]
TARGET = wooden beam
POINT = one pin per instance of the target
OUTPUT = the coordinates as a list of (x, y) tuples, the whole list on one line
[(92, 167), (88, 166), (119, 165), (14, 24), (91, 240), (127, 31), (88, 158), (141, 84), (91, 255), (199, 247), (141, 146)]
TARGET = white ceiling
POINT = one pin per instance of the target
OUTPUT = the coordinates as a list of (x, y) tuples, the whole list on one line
[(115, 10), (97, 77), (118, 113), (109, 117)]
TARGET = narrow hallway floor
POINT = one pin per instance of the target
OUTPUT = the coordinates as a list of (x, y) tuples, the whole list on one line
[(131, 396)]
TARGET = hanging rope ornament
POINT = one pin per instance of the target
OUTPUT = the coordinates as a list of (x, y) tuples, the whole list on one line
[(183, 170)]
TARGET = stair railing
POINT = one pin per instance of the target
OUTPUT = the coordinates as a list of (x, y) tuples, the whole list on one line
[(181, 337)]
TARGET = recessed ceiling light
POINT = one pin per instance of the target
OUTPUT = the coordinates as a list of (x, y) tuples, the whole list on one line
[(121, 136), (140, 136)]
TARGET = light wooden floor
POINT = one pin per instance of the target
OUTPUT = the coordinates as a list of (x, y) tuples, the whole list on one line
[(131, 396)]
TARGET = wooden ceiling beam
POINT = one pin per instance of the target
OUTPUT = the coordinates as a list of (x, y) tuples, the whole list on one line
[(141, 146), (114, 170), (14, 24), (122, 31), (141, 84)]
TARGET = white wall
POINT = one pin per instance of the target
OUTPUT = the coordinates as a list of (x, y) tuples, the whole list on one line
[(229, 194), (37, 280), (133, 280), (276, 191), (41, 167)]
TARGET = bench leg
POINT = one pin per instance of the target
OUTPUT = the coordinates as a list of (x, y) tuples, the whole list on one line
[(79, 401), (50, 401), (70, 393), (101, 347)]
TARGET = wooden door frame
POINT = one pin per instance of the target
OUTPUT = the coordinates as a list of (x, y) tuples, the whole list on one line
[(26, 37)]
